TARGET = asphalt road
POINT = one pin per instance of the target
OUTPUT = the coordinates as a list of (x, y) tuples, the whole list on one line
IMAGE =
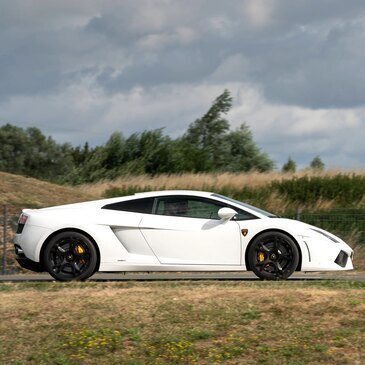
[(158, 276)]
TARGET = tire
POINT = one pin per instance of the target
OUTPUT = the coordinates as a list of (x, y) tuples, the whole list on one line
[(70, 256), (273, 256)]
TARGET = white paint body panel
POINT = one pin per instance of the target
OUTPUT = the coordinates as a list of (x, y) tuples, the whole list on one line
[(191, 241)]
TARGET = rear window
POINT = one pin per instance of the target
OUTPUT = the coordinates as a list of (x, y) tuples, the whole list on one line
[(144, 205)]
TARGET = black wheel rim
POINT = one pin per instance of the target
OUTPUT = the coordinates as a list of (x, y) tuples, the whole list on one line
[(274, 257), (69, 257)]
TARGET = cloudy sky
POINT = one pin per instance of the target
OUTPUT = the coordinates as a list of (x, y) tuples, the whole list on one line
[(79, 70)]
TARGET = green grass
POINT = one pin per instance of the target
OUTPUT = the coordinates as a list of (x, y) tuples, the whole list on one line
[(182, 323)]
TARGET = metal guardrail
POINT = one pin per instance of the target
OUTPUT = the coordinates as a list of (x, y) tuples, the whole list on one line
[(349, 224)]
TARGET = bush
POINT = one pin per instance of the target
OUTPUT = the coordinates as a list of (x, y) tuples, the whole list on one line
[(345, 190)]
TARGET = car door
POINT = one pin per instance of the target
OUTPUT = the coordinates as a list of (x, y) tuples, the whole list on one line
[(187, 230)]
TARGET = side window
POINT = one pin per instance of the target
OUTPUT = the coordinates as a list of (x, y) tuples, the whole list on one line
[(204, 209), (242, 215), (173, 206), (191, 207), (195, 207), (136, 205)]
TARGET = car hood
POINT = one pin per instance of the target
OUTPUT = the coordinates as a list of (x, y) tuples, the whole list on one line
[(297, 228)]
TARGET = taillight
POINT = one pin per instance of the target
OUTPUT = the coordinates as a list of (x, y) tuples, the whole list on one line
[(21, 223)]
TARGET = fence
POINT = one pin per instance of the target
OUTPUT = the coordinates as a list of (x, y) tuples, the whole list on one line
[(8, 222), (348, 224)]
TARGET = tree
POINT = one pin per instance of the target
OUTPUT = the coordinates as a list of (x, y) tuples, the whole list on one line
[(148, 152), (81, 155), (244, 153), (46, 159), (204, 142), (13, 149), (207, 145), (154, 151), (114, 152), (30, 153), (289, 166), (317, 164)]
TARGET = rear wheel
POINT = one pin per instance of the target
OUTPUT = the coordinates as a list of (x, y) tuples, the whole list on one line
[(70, 256), (273, 256)]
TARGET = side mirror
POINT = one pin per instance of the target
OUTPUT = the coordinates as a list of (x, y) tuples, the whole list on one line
[(226, 213)]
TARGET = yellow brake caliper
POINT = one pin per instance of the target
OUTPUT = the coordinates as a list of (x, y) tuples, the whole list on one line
[(260, 256), (79, 250)]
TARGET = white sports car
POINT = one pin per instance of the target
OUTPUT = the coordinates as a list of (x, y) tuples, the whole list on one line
[(172, 231)]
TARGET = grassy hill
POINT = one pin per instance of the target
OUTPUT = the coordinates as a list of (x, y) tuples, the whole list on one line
[(24, 192)]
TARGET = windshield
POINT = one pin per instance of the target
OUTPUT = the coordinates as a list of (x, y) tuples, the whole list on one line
[(263, 212)]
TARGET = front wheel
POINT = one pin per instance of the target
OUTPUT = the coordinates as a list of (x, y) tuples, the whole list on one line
[(273, 256), (70, 256)]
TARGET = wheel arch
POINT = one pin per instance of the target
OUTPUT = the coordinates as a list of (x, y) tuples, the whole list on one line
[(273, 230), (70, 229)]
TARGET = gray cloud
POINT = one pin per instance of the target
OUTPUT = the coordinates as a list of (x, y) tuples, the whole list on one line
[(303, 53), (92, 67)]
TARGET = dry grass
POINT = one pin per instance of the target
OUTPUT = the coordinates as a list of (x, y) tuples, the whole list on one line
[(185, 323), (359, 257), (202, 181), (28, 192), (25, 192)]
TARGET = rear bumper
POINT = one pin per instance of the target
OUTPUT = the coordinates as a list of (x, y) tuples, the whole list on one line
[(26, 263)]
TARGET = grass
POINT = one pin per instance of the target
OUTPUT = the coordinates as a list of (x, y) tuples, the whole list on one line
[(183, 323), (24, 192), (200, 181)]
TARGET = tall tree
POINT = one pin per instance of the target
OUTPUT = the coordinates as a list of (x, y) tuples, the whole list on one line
[(205, 142)]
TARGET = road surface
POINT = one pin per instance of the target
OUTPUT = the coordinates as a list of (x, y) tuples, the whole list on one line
[(156, 276)]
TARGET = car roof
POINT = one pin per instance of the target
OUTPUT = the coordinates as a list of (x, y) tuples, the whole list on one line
[(153, 194), (172, 192), (150, 194)]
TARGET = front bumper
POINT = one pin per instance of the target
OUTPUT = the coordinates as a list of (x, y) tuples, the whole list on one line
[(26, 263), (324, 255)]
